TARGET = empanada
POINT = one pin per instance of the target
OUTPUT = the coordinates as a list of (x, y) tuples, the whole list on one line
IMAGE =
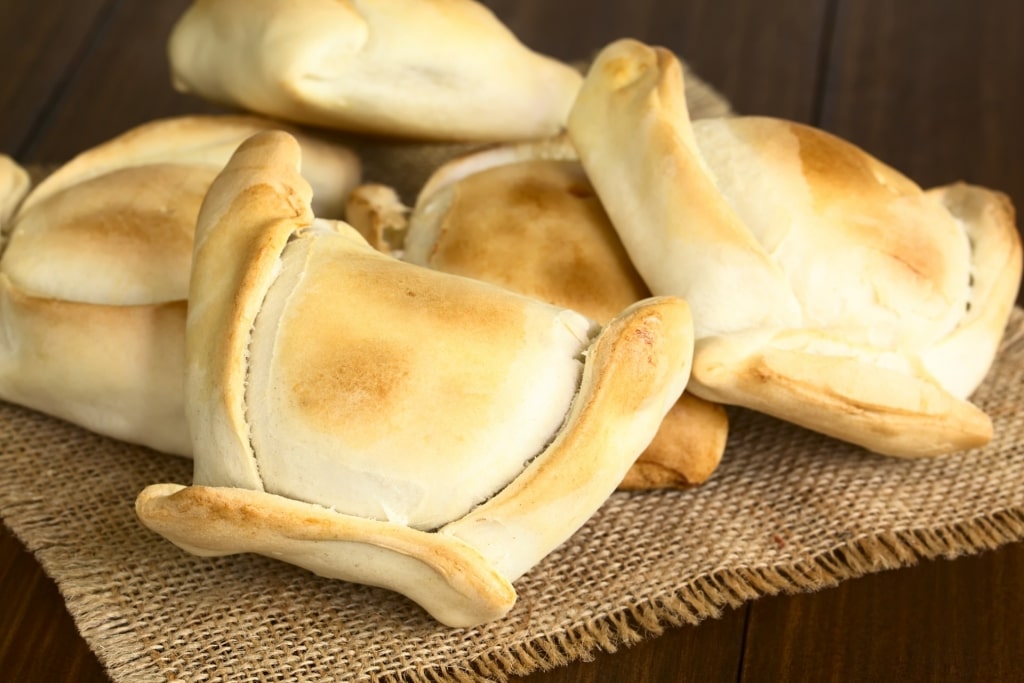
[(94, 274), (525, 217), (380, 422), (423, 69), (827, 288)]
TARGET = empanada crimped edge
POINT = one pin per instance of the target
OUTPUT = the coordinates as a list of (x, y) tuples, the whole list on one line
[(633, 372)]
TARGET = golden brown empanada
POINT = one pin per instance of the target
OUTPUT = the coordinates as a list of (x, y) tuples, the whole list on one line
[(379, 422), (827, 288)]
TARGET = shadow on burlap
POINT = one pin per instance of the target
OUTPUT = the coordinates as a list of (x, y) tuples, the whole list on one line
[(788, 510)]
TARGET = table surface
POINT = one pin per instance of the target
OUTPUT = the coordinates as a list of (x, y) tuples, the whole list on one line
[(932, 88)]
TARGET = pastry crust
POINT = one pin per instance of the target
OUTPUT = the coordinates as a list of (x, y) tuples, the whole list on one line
[(827, 288), (446, 577), (428, 69), (377, 212), (254, 398), (94, 276)]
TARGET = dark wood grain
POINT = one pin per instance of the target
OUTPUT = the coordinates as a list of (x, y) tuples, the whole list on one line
[(708, 652), (940, 621), (123, 81), (935, 88), (764, 57), (38, 52), (38, 638)]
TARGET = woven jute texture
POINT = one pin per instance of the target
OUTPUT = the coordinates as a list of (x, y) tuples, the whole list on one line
[(788, 510)]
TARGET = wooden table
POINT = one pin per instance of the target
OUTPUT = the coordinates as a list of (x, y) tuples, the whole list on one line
[(934, 88)]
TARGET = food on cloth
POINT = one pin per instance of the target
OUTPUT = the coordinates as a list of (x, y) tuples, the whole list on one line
[(827, 288), (380, 422)]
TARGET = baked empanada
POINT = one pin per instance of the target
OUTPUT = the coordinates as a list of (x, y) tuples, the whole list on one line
[(379, 422), (411, 68), (94, 274), (827, 289)]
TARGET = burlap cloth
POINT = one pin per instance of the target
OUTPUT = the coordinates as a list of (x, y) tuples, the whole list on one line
[(788, 510)]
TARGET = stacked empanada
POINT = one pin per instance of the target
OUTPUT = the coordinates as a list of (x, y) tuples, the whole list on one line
[(381, 422), (827, 288)]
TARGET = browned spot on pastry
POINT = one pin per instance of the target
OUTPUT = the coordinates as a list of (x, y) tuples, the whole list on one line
[(830, 161), (135, 230), (133, 226), (361, 376), (379, 341), (537, 228), (150, 207), (875, 206)]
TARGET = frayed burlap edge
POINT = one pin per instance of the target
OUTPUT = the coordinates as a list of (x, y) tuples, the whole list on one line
[(707, 596), (703, 598)]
